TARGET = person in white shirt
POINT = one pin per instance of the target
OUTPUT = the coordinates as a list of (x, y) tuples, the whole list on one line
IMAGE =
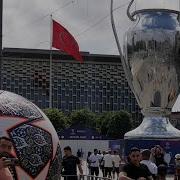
[(108, 164), (94, 160), (146, 153), (116, 163)]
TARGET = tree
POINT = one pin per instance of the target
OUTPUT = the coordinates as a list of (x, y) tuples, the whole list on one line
[(103, 122), (83, 117), (57, 118), (119, 124)]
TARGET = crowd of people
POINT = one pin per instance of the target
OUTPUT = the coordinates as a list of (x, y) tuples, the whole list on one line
[(108, 161), (139, 165)]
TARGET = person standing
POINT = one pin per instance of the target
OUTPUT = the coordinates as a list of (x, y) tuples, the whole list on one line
[(95, 159), (88, 163), (146, 153), (70, 164), (102, 163), (133, 169), (108, 164), (177, 167), (158, 155), (79, 153), (116, 164), (162, 172)]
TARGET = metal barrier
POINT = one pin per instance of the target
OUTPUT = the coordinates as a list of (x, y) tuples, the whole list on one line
[(83, 177)]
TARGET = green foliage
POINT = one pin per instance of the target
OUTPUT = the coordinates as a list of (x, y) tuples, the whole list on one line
[(57, 118), (119, 125), (111, 124), (103, 122), (83, 117)]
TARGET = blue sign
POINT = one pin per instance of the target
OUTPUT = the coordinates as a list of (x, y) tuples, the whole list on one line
[(116, 144), (78, 132)]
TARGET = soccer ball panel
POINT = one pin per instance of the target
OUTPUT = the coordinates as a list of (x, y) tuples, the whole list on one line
[(35, 140)]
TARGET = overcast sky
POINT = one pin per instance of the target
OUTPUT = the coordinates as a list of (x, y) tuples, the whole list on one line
[(26, 23)]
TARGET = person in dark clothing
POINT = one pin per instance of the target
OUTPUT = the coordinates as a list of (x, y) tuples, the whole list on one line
[(89, 162), (133, 169), (102, 163), (159, 156), (69, 164), (79, 153), (162, 172)]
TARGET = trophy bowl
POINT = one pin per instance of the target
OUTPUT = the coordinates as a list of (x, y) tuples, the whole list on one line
[(151, 61)]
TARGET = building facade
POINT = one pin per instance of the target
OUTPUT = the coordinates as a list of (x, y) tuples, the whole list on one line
[(98, 84)]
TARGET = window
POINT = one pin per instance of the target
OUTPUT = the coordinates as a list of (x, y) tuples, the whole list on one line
[(63, 95), (104, 91), (63, 106), (78, 85), (100, 86), (97, 82), (70, 107), (100, 96), (70, 95), (115, 107), (74, 106), (107, 107), (59, 89), (82, 90), (111, 92), (63, 84), (74, 90), (78, 96), (89, 100), (108, 97), (126, 92), (82, 100), (89, 90), (97, 92), (93, 96), (85, 96), (93, 107), (93, 86), (74, 99), (100, 108), (108, 86)]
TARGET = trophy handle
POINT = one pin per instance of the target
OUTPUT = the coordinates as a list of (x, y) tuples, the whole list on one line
[(124, 62), (130, 16)]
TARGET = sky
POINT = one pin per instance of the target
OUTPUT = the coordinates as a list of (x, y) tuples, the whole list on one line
[(26, 23)]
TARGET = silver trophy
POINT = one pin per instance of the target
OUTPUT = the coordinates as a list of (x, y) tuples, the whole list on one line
[(151, 61)]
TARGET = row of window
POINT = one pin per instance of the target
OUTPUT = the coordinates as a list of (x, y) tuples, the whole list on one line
[(95, 86)]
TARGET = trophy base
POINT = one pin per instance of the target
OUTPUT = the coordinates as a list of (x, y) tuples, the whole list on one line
[(154, 128)]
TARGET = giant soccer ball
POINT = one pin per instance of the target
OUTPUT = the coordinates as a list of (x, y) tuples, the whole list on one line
[(35, 141)]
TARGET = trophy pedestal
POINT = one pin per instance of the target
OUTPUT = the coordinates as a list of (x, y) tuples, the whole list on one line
[(154, 128)]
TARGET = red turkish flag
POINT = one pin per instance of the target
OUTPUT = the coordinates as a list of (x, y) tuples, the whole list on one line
[(64, 41)]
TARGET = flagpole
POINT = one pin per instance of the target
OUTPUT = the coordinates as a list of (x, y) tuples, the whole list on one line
[(179, 10), (1, 49), (50, 65)]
